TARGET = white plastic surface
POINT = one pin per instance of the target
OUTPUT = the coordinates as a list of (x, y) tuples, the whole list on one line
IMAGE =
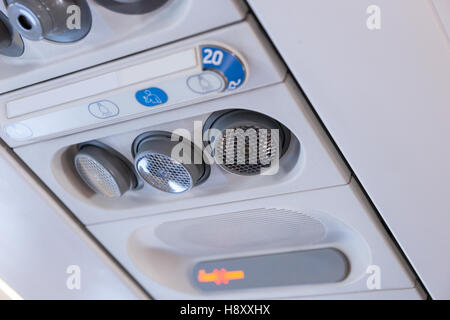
[(114, 35), (318, 165), (106, 82), (39, 242), (260, 62), (344, 203), (443, 10), (384, 95)]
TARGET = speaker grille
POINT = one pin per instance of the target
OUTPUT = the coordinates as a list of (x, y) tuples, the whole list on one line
[(241, 231), (95, 175), (243, 153)]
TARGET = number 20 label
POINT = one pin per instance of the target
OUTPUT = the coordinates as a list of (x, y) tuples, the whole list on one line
[(226, 63), (213, 57)]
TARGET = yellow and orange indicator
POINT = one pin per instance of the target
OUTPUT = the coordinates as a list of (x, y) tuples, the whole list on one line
[(220, 276)]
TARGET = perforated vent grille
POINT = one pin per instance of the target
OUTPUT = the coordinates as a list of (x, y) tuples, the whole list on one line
[(246, 150), (242, 231), (164, 173), (96, 176)]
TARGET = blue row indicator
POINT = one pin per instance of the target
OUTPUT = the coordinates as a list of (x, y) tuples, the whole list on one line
[(216, 58), (151, 97)]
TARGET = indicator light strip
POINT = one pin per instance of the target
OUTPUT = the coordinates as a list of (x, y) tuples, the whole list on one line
[(220, 276)]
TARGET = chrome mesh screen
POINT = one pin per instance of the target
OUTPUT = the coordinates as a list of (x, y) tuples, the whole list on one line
[(96, 176), (164, 173), (246, 150)]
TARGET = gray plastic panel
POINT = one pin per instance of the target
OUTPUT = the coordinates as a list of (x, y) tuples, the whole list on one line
[(282, 269)]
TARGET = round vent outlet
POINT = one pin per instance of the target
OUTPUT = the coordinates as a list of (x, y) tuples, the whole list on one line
[(104, 170), (170, 165), (245, 142)]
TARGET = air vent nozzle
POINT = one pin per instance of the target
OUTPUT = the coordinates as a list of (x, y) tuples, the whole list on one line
[(156, 163), (104, 170)]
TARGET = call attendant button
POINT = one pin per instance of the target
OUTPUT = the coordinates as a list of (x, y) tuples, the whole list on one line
[(151, 97)]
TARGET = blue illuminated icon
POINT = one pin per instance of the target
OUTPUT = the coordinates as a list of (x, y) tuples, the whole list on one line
[(151, 97)]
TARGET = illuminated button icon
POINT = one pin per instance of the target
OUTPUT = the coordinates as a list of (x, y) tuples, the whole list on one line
[(206, 82), (151, 97), (103, 109), (220, 276)]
